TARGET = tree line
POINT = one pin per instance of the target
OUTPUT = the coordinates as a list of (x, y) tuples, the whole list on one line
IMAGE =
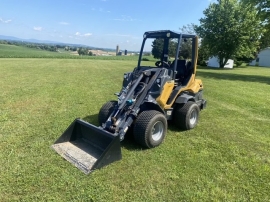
[(48, 47), (230, 29)]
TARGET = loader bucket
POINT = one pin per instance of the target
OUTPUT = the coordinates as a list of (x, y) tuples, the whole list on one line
[(88, 147)]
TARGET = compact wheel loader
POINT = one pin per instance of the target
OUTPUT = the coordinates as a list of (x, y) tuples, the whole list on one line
[(151, 95)]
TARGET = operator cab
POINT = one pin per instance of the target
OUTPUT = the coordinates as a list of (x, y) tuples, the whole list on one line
[(173, 51)]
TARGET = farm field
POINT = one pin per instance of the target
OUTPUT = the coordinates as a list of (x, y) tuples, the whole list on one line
[(225, 158), (12, 51)]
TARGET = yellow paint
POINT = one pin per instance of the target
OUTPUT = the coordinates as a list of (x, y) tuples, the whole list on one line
[(194, 85), (165, 94), (196, 54)]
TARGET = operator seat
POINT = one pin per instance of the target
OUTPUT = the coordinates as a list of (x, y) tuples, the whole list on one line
[(188, 73), (181, 69)]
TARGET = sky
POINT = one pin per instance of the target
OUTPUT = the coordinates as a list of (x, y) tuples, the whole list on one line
[(97, 23)]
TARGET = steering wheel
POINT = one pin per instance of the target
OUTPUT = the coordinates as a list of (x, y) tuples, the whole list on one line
[(163, 63)]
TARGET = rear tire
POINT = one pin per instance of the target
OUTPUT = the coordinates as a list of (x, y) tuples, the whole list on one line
[(105, 111), (150, 128), (186, 115)]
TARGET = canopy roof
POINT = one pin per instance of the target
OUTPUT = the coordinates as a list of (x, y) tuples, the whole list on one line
[(167, 34)]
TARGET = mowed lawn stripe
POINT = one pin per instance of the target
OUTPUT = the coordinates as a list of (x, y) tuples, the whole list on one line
[(225, 158)]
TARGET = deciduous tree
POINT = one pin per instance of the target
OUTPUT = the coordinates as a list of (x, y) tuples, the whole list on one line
[(157, 48), (186, 46), (263, 11), (82, 51), (230, 29)]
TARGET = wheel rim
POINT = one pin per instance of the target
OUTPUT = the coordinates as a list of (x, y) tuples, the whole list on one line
[(157, 131), (193, 117)]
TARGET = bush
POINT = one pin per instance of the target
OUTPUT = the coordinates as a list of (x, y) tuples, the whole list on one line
[(238, 62), (202, 63), (145, 59), (147, 54)]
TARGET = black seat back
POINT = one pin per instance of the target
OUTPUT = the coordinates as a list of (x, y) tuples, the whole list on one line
[(188, 73), (189, 68), (180, 68)]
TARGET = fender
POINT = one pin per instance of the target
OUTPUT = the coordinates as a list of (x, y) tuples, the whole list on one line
[(151, 106), (184, 98)]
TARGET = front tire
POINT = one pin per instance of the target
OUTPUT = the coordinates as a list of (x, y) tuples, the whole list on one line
[(105, 111), (150, 128), (186, 115)]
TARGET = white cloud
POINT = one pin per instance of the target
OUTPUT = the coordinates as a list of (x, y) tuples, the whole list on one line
[(123, 35), (63, 23), (88, 34), (125, 18), (38, 28), (83, 35), (100, 10), (5, 21)]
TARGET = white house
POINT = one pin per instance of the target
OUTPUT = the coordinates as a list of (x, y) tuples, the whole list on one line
[(214, 62), (263, 58)]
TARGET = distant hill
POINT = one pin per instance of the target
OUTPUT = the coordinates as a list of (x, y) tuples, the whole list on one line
[(11, 38)]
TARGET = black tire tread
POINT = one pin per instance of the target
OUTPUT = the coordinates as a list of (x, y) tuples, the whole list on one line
[(105, 111), (141, 127), (180, 118)]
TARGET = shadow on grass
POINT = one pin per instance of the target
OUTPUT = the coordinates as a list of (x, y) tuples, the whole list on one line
[(93, 119), (129, 142), (235, 77), (213, 68), (222, 69)]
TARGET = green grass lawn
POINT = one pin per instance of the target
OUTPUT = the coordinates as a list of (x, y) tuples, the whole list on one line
[(225, 158)]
